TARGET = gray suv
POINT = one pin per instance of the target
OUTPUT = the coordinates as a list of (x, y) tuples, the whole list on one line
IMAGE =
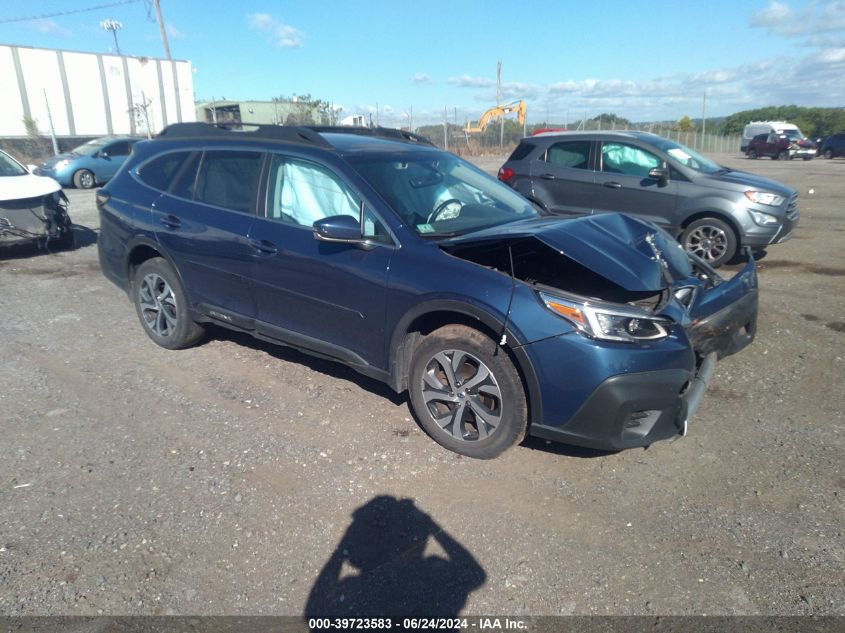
[(712, 210)]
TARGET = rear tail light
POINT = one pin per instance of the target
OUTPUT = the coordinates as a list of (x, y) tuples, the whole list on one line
[(505, 174)]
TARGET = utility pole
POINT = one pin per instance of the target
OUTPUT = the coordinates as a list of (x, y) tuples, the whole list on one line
[(499, 102), (50, 120), (161, 28), (445, 129), (114, 26)]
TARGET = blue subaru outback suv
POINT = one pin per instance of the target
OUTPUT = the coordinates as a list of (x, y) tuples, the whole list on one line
[(375, 249)]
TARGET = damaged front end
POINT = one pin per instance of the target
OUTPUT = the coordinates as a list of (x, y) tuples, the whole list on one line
[(42, 219), (615, 277), (648, 323)]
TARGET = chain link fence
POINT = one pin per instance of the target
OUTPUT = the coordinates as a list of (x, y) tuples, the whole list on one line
[(503, 139)]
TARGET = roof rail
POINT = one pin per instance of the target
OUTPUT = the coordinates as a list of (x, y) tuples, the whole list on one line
[(380, 132), (288, 133)]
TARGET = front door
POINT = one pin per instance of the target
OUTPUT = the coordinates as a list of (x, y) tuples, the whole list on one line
[(327, 297)]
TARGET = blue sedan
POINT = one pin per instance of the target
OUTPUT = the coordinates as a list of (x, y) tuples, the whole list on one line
[(90, 164)]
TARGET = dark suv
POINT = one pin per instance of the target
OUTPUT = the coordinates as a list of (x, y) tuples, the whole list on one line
[(712, 210), (833, 146), (372, 248)]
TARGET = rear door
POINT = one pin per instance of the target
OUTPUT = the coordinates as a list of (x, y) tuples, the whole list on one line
[(327, 297), (202, 222), (623, 184), (563, 178)]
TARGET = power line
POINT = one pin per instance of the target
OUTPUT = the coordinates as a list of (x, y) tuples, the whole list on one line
[(69, 12)]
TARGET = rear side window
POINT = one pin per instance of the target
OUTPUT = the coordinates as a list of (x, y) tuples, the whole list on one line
[(522, 150), (159, 172), (121, 148), (574, 154), (229, 180)]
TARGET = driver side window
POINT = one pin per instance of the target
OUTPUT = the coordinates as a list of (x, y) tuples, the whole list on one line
[(619, 158), (302, 192)]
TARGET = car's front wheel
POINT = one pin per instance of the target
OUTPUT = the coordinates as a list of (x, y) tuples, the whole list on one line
[(162, 306), (84, 179), (784, 155), (752, 153), (466, 392), (828, 153), (711, 239)]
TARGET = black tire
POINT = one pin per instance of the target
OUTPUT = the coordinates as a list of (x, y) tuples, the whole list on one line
[(807, 157), (162, 307), (783, 155), (828, 153), (498, 396), (711, 239), (752, 154), (84, 179)]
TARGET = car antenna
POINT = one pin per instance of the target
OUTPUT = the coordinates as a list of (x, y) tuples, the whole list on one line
[(504, 338)]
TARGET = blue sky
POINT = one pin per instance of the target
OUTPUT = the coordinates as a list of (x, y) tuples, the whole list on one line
[(642, 60)]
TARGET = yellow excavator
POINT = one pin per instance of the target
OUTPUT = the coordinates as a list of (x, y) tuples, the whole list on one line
[(495, 113)]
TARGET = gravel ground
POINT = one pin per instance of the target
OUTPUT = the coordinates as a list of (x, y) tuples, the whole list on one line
[(241, 478)]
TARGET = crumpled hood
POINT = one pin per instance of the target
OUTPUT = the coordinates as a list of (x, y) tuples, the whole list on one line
[(27, 186), (631, 253)]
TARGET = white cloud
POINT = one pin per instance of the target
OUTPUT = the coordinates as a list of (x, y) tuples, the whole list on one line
[(776, 15), (281, 35), (173, 32), (421, 79), (818, 17), (50, 27), (465, 81)]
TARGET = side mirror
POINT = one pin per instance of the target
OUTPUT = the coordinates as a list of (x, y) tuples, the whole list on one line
[(338, 228), (660, 174)]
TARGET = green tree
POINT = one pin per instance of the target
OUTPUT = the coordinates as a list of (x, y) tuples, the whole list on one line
[(685, 124)]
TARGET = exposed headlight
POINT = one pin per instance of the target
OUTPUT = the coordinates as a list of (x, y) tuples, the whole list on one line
[(609, 324), (62, 163), (763, 219), (764, 197)]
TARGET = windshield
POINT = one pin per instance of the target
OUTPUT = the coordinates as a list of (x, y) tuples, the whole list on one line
[(687, 157), (90, 147), (793, 135), (10, 167), (440, 195)]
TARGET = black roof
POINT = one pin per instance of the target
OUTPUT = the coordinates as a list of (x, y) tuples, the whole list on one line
[(315, 136)]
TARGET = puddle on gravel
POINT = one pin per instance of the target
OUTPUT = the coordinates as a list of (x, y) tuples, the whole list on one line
[(811, 317), (837, 326)]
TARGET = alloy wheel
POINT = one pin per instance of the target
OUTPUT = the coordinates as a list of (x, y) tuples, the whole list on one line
[(708, 242), (462, 395), (157, 305)]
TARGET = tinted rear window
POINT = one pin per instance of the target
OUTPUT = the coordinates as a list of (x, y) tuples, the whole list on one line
[(159, 172), (229, 180), (522, 150)]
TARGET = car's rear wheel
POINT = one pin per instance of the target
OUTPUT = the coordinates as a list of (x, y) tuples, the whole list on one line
[(784, 154), (466, 393), (807, 157), (752, 153), (711, 239), (84, 179), (828, 153), (162, 306)]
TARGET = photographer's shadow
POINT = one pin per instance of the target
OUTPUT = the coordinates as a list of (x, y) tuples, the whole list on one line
[(394, 561)]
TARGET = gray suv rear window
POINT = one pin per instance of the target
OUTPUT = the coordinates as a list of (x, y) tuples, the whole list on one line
[(575, 154)]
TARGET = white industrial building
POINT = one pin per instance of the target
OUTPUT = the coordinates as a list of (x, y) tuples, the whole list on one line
[(90, 94)]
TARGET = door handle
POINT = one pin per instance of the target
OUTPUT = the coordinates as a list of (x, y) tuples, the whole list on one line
[(263, 246), (613, 185), (548, 177), (170, 221)]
